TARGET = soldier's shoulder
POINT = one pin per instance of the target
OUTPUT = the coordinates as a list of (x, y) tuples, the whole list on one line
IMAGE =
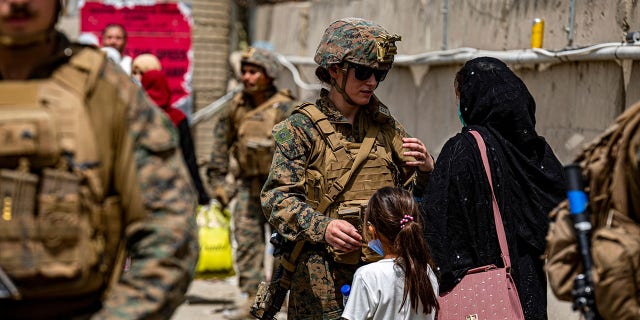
[(296, 127), (287, 93), (299, 120)]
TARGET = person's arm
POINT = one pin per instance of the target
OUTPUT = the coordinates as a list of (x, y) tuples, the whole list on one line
[(412, 158), (283, 194), (159, 206), (218, 165)]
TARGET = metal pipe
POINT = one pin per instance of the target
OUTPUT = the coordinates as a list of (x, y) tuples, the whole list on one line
[(214, 107), (599, 52), (296, 75), (604, 51), (445, 22), (572, 19)]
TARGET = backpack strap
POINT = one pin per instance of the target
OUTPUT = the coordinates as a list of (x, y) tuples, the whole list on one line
[(325, 127)]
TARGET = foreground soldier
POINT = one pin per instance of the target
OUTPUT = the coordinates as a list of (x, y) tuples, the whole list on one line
[(89, 174), (244, 131), (317, 145)]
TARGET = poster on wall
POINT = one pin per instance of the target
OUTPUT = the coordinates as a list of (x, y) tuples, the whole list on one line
[(162, 29)]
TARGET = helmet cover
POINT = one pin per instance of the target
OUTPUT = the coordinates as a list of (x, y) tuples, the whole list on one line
[(262, 58), (357, 41)]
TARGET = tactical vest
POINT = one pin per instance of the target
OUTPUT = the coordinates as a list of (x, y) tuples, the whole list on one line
[(58, 232), (255, 145), (332, 157)]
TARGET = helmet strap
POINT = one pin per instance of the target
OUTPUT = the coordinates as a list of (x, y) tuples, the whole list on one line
[(342, 91)]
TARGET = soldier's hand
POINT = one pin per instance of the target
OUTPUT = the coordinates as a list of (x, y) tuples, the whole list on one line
[(342, 236), (418, 150), (221, 195)]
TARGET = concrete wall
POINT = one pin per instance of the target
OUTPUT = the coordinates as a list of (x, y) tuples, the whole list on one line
[(575, 100)]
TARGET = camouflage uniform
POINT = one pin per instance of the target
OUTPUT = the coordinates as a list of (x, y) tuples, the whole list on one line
[(249, 222), (315, 288), (140, 172)]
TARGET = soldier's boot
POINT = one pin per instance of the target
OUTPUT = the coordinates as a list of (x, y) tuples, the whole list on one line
[(243, 312)]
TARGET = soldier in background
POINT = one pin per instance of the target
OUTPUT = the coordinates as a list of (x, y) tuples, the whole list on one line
[(90, 174), (115, 36), (317, 145), (244, 132)]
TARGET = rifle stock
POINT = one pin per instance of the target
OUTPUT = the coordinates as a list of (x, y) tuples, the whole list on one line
[(271, 295)]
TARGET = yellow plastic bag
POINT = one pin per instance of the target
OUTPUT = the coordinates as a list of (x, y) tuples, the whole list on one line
[(214, 232)]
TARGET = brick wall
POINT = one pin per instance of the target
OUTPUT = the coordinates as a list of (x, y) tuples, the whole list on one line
[(210, 73)]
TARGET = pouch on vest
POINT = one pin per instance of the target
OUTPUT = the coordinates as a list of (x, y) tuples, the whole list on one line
[(354, 215), (26, 130), (353, 212)]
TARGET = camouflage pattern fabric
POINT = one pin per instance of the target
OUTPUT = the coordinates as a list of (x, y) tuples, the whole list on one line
[(358, 41), (263, 58), (249, 234), (144, 168), (248, 218), (164, 257), (315, 285)]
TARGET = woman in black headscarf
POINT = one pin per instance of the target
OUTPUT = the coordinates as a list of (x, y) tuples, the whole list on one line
[(528, 182)]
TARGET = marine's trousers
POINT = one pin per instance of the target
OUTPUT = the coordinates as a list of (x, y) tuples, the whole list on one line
[(315, 286), (249, 233)]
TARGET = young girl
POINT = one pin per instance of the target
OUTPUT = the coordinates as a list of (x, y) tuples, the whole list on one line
[(402, 285)]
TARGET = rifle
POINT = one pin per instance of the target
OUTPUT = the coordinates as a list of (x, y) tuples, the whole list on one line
[(271, 295), (583, 288), (7, 288)]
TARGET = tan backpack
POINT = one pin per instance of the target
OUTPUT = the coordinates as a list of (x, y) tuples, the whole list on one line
[(612, 180)]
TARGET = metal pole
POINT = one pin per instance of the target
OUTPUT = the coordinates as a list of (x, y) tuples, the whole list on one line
[(445, 22), (572, 18)]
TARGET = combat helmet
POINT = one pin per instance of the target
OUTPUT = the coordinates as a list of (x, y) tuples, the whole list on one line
[(357, 41), (262, 58)]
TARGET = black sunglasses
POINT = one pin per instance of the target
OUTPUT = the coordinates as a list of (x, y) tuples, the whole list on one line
[(363, 73)]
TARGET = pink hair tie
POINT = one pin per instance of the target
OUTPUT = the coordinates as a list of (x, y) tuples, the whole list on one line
[(404, 220)]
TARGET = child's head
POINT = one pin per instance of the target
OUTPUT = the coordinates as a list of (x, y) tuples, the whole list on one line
[(394, 215), (391, 210)]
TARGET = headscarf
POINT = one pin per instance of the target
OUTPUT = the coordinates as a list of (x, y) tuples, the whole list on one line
[(146, 62), (528, 181), (156, 85), (491, 95)]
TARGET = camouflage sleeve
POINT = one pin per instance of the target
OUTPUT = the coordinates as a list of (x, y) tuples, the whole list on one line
[(163, 244), (223, 137), (410, 177), (283, 194)]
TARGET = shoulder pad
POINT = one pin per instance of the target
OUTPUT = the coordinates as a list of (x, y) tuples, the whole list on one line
[(288, 135)]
